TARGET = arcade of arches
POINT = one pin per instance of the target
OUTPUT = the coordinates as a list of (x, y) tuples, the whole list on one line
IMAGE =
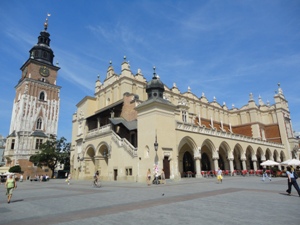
[(193, 158), (209, 156)]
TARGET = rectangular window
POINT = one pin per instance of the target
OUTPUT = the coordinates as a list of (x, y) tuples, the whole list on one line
[(128, 171), (38, 143), (12, 146)]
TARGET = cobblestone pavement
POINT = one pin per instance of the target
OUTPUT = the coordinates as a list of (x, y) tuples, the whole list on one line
[(238, 200)]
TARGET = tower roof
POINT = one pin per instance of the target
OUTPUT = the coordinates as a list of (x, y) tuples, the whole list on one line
[(155, 88), (42, 51)]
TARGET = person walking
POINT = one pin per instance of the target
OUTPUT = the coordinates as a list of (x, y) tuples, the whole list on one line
[(10, 185), (69, 179), (292, 181), (162, 176), (148, 177), (265, 175), (219, 175), (96, 178)]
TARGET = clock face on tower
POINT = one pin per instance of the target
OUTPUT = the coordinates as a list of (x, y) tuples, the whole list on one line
[(44, 71)]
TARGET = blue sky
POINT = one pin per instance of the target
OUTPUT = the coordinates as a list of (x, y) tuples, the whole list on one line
[(225, 49)]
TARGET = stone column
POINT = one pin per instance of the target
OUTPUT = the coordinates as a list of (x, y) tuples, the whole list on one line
[(231, 166), (279, 166), (216, 165), (254, 164), (98, 123), (244, 164), (198, 167)]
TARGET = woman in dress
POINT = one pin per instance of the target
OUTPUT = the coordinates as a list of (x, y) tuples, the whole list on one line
[(10, 185), (219, 175)]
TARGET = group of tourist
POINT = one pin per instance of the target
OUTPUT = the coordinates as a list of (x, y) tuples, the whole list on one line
[(39, 178), (11, 183), (156, 180)]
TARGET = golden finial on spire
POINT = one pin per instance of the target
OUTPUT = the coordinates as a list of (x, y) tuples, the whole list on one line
[(46, 22)]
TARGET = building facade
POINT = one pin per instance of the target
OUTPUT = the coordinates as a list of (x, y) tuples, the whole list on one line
[(35, 107), (131, 125)]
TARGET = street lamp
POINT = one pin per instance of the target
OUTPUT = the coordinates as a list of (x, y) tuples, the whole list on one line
[(155, 144), (79, 160), (156, 169)]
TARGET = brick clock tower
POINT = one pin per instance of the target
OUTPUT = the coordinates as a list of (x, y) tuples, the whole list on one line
[(35, 107)]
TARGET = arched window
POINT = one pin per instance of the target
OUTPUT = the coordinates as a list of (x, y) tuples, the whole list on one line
[(184, 116), (39, 124), (42, 96)]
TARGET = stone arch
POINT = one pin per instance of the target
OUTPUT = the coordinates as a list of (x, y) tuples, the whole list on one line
[(250, 157), (101, 159), (89, 161), (276, 156), (102, 149), (282, 156), (90, 151), (189, 141), (260, 156), (186, 151), (224, 154), (188, 162), (208, 151), (269, 155), (238, 155)]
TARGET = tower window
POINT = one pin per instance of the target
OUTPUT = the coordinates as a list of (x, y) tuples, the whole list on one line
[(38, 143), (12, 146), (42, 96), (39, 124), (45, 55), (184, 116)]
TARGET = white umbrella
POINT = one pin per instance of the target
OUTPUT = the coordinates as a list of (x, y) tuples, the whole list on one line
[(269, 163), (291, 162), (8, 173)]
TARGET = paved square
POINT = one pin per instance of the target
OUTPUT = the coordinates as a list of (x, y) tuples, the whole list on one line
[(238, 200)]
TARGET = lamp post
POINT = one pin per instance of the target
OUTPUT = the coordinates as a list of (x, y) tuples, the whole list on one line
[(156, 169), (79, 160)]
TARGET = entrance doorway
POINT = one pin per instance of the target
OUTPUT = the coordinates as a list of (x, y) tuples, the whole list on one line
[(115, 174), (166, 166), (205, 163), (188, 163)]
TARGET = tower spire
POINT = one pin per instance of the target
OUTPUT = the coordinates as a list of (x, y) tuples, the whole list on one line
[(42, 51), (46, 22)]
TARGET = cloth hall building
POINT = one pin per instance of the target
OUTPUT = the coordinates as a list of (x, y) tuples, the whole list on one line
[(131, 125)]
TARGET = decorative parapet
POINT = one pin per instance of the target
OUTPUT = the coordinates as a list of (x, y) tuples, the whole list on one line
[(98, 131), (217, 133), (123, 142)]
